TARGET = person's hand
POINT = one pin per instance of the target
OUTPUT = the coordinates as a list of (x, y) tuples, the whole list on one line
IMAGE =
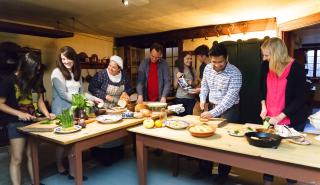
[(179, 75), (140, 99), (196, 90), (189, 82), (206, 115), (109, 98), (263, 112), (98, 100), (51, 116), (25, 116), (276, 119), (202, 105), (125, 96), (163, 100)]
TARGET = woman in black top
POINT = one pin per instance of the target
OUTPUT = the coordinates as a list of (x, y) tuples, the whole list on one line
[(16, 108)]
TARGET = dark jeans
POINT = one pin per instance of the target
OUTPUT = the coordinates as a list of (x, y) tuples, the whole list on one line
[(188, 104), (232, 116), (269, 177)]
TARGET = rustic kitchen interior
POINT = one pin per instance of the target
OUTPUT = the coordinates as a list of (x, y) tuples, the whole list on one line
[(167, 154)]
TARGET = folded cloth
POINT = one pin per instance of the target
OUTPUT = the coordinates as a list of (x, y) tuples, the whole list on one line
[(285, 131), (178, 108)]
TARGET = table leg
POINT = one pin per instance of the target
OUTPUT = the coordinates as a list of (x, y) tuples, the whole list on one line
[(77, 162), (142, 161), (35, 160)]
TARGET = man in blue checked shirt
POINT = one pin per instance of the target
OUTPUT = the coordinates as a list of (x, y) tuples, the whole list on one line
[(221, 82)]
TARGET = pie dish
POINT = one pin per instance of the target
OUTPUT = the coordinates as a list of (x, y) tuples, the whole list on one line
[(203, 130), (61, 130), (176, 124)]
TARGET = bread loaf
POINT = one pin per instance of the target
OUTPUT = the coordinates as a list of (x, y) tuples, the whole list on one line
[(139, 106)]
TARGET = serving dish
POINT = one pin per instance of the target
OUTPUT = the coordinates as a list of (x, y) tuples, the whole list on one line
[(176, 124), (61, 130), (110, 118), (203, 130)]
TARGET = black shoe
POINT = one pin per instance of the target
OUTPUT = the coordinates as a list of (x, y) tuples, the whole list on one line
[(65, 172), (200, 175), (84, 178), (40, 184), (220, 179)]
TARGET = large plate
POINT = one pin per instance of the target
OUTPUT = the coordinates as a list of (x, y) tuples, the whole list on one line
[(110, 118), (60, 130), (237, 132), (176, 124)]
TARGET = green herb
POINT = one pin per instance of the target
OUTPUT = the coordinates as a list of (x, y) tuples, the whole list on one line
[(237, 132), (66, 119), (79, 101), (46, 122), (249, 128), (266, 123)]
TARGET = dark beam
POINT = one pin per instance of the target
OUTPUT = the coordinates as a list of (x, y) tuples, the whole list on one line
[(33, 30), (171, 38)]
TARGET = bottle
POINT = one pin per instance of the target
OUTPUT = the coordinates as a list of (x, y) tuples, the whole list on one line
[(163, 114)]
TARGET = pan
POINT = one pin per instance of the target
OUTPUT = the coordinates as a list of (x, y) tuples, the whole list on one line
[(264, 140)]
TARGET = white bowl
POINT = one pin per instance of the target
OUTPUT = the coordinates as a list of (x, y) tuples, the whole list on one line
[(315, 122)]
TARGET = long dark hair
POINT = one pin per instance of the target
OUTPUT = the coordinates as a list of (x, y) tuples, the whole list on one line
[(28, 72), (70, 54), (180, 63)]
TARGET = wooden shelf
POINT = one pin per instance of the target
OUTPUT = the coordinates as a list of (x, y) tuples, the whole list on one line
[(93, 66)]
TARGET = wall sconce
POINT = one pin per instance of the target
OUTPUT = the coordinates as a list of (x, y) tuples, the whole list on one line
[(125, 2)]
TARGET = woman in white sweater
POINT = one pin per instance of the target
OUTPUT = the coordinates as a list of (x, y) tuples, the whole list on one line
[(66, 81)]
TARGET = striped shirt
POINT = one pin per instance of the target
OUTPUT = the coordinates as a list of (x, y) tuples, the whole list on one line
[(222, 87)]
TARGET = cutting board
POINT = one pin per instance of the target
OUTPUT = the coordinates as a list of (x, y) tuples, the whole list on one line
[(37, 127), (192, 119)]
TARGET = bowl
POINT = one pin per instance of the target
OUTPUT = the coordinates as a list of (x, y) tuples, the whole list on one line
[(264, 140), (100, 112)]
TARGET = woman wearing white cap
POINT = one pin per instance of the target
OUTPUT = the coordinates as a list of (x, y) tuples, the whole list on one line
[(109, 85)]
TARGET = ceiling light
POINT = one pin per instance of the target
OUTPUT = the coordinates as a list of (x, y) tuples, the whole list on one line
[(125, 2)]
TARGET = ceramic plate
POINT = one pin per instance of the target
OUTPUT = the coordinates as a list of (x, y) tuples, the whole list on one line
[(60, 130), (297, 141), (236, 133), (176, 124), (110, 118)]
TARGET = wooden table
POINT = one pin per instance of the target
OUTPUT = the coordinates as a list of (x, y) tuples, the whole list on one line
[(94, 134), (289, 160)]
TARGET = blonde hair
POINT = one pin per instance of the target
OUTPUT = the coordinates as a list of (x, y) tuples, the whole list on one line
[(279, 57)]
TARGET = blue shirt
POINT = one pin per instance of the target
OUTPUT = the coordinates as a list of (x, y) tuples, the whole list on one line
[(222, 87)]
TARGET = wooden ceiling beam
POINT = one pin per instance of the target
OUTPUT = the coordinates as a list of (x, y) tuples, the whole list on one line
[(33, 30), (171, 38)]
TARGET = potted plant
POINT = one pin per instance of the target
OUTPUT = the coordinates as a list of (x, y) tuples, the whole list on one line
[(80, 106), (66, 120)]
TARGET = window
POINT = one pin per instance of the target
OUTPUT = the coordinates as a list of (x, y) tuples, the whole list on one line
[(313, 63)]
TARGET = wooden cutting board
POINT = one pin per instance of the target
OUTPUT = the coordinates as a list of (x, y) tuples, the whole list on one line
[(38, 127), (192, 119)]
